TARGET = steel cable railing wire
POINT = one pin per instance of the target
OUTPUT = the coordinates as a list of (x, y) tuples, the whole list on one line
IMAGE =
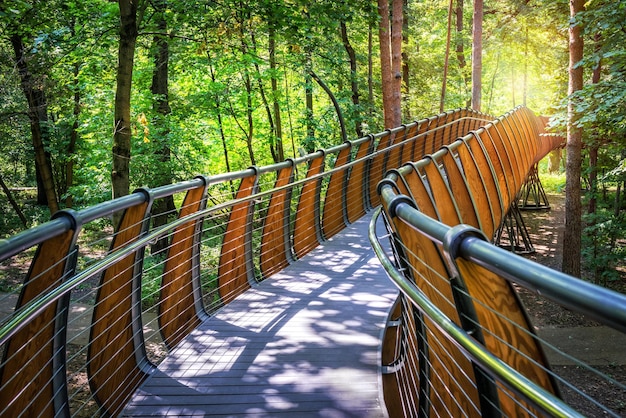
[(472, 349), (94, 266), (611, 314)]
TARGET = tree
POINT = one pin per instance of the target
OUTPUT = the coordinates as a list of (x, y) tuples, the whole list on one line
[(477, 55), (390, 39), (128, 31), (573, 206), (38, 114), (160, 92)]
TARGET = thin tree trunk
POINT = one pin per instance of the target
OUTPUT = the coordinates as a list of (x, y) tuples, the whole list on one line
[(120, 175), (268, 111), (370, 69), (446, 60), (525, 86), (13, 203), (218, 110), (38, 115), (573, 207), (460, 50), (278, 125), (342, 123), (71, 147), (308, 93), (595, 145), (477, 54), (354, 84)]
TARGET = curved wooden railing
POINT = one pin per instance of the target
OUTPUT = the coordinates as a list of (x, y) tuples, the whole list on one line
[(89, 311), (459, 342)]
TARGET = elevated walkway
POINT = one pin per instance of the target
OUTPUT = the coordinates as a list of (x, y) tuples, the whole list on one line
[(305, 342)]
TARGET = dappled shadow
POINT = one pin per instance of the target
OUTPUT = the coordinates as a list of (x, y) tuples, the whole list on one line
[(305, 342)]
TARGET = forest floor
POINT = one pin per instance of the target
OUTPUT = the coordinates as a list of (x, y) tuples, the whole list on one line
[(586, 338)]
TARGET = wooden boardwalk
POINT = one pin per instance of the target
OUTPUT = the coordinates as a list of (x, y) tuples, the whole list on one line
[(303, 343)]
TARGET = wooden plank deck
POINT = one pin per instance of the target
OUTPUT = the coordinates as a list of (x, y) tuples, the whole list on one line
[(305, 342)]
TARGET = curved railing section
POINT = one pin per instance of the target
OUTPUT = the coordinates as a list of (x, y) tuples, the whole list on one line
[(88, 311), (459, 341)]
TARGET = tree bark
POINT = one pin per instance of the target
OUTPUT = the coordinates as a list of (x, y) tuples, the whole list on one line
[(396, 58), (120, 175), (38, 115), (477, 54), (573, 207), (442, 100), (354, 84), (161, 105), (390, 41)]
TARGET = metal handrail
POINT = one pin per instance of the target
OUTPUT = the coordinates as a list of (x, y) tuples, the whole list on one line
[(488, 362)]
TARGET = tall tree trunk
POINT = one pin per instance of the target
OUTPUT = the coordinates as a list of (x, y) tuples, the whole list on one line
[(477, 54), (354, 84), (397, 14), (38, 115), (278, 125), (405, 60), (385, 62), (120, 175), (390, 41), (161, 105), (573, 206), (442, 100)]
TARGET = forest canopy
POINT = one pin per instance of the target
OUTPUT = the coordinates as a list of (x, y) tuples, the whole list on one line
[(220, 86)]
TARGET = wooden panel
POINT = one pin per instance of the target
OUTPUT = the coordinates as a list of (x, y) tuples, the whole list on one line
[(478, 189), (460, 191), (377, 168), (177, 305), (451, 373), (112, 334), (507, 162), (394, 157), (307, 224), (334, 217), (235, 269), (510, 336), (447, 208), (489, 179), (275, 245), (29, 375), (408, 147), (358, 184), (418, 144), (500, 167)]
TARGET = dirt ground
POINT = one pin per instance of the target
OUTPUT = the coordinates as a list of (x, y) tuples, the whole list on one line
[(546, 230)]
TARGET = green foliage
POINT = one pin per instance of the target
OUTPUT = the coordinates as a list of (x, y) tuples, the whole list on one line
[(604, 248)]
